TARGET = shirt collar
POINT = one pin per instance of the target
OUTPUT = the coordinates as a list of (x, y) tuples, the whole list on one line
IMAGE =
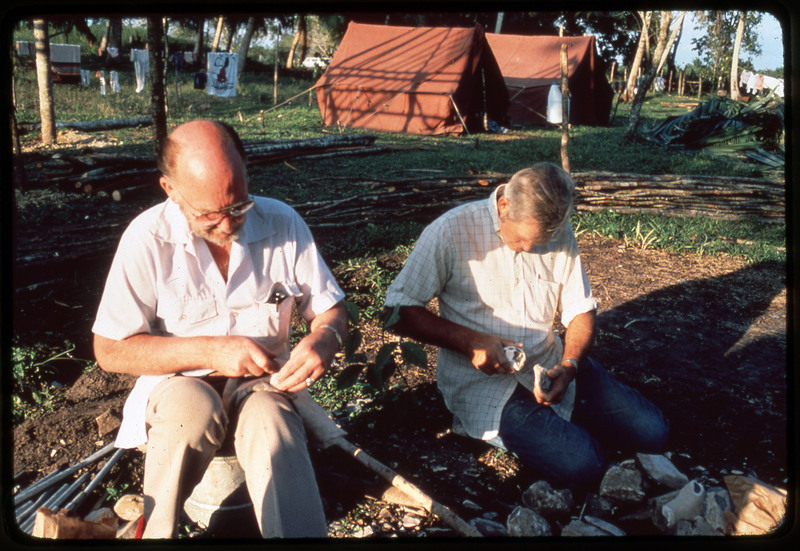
[(493, 212), (173, 227)]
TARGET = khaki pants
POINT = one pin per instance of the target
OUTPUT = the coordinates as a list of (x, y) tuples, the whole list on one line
[(187, 424)]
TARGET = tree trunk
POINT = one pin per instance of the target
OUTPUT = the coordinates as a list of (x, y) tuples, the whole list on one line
[(218, 33), (101, 49), (672, 36), (648, 77), (199, 41), (498, 23), (295, 43), (158, 103), (275, 69), (46, 107), (735, 57), (640, 51), (250, 29), (228, 33), (564, 109)]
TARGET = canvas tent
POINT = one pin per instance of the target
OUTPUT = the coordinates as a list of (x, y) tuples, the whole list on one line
[(530, 65), (417, 80)]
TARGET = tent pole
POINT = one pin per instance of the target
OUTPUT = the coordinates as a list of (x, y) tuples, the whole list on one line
[(459, 114)]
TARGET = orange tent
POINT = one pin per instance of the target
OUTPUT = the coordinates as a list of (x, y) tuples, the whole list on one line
[(418, 80), (530, 65)]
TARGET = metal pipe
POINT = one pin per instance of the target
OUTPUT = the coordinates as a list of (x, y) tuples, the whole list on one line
[(56, 476), (78, 499)]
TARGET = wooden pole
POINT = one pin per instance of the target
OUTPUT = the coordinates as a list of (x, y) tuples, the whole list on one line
[(564, 109), (441, 511)]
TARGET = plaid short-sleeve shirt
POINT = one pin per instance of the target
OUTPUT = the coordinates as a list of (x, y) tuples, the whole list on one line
[(482, 284)]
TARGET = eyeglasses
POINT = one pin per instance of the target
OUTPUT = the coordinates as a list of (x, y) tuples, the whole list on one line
[(210, 219)]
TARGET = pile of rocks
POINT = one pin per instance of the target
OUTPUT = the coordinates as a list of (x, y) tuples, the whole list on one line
[(647, 490)]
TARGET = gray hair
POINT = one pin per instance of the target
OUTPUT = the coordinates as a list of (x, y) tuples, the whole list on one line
[(544, 192)]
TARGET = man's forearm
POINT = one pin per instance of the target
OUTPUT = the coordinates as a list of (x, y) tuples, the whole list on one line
[(422, 325), (580, 336), (145, 354)]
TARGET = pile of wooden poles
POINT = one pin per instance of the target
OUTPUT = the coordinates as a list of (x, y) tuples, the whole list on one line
[(64, 489)]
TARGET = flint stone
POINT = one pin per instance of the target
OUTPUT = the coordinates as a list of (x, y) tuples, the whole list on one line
[(687, 504), (544, 500), (661, 470), (524, 522), (716, 507), (620, 484), (696, 527), (129, 507), (656, 507), (598, 506), (580, 528), (603, 525), (489, 528), (410, 520)]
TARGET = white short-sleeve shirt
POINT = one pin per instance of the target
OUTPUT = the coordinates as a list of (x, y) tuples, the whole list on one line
[(484, 285), (164, 281)]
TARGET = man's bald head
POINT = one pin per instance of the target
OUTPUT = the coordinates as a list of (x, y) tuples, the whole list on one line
[(196, 134)]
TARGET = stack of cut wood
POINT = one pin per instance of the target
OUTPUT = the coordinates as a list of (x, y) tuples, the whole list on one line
[(116, 174), (669, 194)]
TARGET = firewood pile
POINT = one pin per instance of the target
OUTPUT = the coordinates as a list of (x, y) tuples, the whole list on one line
[(670, 194), (115, 174), (410, 194)]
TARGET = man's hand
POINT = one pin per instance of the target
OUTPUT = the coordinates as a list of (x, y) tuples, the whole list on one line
[(313, 355), (309, 360), (240, 357), (488, 355), (560, 376)]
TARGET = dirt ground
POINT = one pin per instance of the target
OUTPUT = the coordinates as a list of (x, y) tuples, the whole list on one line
[(703, 337)]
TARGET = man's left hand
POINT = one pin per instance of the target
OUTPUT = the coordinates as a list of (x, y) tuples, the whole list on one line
[(560, 376)]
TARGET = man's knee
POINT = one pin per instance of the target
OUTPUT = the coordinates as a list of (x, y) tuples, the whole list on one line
[(273, 416), (189, 409)]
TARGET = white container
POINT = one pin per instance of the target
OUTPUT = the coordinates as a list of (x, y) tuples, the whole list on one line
[(221, 502), (554, 109)]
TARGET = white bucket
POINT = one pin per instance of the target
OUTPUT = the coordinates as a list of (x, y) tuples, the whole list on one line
[(220, 501)]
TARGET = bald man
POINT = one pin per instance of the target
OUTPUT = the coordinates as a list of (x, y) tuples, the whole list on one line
[(197, 305)]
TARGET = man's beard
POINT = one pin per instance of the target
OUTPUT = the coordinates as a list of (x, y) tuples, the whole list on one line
[(214, 235)]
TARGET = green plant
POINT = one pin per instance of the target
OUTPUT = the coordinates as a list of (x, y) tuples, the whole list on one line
[(114, 493), (32, 391)]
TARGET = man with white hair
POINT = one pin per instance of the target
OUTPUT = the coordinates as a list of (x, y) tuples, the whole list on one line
[(198, 304), (502, 270)]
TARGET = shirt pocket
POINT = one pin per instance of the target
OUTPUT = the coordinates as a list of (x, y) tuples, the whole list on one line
[(185, 316), (276, 307), (545, 299)]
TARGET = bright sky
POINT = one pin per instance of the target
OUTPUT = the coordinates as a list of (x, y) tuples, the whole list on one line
[(770, 37)]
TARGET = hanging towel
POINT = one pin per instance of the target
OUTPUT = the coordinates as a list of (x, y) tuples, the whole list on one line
[(222, 74)]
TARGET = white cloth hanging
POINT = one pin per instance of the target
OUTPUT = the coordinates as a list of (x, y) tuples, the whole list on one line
[(222, 74), (141, 64), (115, 81)]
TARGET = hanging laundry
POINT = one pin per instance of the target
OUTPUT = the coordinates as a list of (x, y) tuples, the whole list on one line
[(65, 61), (115, 82), (102, 76), (86, 77), (177, 61), (113, 52), (141, 64), (222, 74)]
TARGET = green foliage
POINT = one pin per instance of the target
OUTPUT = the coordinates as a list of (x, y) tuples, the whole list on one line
[(32, 391), (750, 239)]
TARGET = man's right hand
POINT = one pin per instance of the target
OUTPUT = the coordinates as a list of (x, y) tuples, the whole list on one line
[(240, 357), (488, 355)]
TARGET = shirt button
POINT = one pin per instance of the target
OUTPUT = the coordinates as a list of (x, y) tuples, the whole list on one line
[(183, 316), (234, 314)]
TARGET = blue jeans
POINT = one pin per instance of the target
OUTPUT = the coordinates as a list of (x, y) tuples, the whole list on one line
[(569, 454)]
